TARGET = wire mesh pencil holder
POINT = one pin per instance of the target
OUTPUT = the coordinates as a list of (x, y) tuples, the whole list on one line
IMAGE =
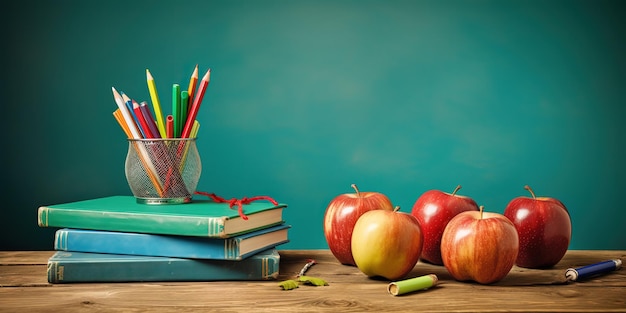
[(163, 171)]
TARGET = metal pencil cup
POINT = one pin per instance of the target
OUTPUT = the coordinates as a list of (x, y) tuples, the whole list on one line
[(163, 171)]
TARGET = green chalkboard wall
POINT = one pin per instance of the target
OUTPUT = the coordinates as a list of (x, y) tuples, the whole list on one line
[(307, 97)]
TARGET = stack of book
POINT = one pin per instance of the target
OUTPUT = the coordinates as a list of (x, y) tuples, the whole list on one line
[(115, 239)]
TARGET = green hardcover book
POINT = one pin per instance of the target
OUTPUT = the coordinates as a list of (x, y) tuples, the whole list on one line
[(203, 218), (84, 267)]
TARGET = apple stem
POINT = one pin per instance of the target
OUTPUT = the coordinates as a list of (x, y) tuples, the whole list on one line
[(355, 189), (530, 190), (481, 208), (397, 208), (456, 189)]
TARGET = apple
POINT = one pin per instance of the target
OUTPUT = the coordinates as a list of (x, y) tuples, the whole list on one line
[(386, 244), (434, 209), (342, 213), (479, 246), (544, 228)]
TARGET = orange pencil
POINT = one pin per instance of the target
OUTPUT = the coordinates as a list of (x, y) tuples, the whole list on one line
[(120, 120), (193, 111), (192, 88)]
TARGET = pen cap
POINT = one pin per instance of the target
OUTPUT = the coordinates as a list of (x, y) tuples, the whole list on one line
[(163, 171)]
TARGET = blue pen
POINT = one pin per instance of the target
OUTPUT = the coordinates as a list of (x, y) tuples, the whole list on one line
[(574, 274)]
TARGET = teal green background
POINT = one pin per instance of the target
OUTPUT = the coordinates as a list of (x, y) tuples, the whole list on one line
[(308, 97)]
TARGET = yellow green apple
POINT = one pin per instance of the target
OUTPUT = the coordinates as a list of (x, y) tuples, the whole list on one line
[(386, 243)]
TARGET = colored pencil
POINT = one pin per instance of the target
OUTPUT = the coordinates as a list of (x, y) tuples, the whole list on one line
[(155, 102), (136, 115), (141, 150), (138, 123), (145, 111), (176, 110), (169, 126), (120, 120), (184, 98), (194, 130), (194, 134), (193, 81), (129, 105), (193, 111), (126, 114), (142, 121)]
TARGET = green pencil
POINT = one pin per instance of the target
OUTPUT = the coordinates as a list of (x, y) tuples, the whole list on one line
[(176, 109), (184, 98)]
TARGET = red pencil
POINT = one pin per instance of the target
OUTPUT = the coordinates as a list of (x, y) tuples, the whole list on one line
[(142, 120), (145, 111), (193, 111), (169, 126)]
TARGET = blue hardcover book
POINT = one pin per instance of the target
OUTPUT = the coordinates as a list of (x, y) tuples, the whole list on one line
[(76, 267), (235, 248)]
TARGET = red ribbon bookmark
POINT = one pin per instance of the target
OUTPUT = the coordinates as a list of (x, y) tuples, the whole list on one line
[(238, 202)]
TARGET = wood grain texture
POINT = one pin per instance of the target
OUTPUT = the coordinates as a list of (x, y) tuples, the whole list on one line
[(24, 288)]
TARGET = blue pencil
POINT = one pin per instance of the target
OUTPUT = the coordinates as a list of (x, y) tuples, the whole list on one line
[(129, 105)]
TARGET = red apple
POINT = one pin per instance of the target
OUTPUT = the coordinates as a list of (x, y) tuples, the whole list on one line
[(434, 209), (386, 243), (341, 215), (479, 246), (544, 228)]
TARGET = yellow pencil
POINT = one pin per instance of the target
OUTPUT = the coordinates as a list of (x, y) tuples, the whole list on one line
[(194, 133), (194, 129), (191, 90), (157, 105)]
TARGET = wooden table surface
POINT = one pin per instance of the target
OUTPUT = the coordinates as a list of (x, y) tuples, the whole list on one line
[(24, 288)]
